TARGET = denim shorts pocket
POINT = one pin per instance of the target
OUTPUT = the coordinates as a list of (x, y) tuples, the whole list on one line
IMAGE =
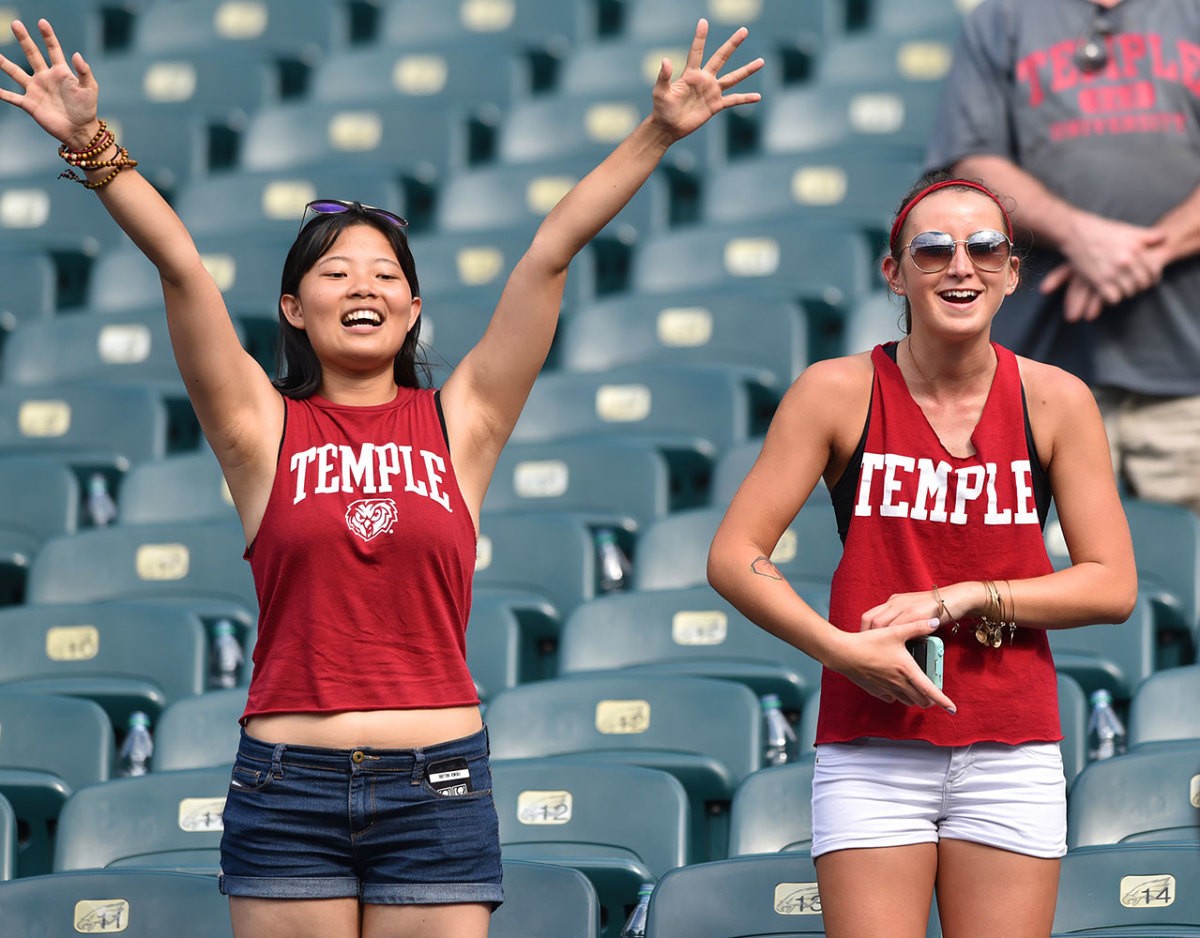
[(250, 776), (481, 779)]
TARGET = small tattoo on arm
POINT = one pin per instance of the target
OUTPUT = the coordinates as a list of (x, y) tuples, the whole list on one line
[(763, 567)]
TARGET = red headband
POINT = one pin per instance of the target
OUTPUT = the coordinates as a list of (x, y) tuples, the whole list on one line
[(944, 185)]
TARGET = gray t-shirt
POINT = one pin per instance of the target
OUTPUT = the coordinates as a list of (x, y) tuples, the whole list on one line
[(1123, 142)]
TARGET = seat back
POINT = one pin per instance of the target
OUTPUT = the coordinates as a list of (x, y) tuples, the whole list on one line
[(137, 903), (30, 291), (496, 653), (772, 811), (1166, 707), (1141, 887), (181, 487), (8, 840), (199, 732), (297, 29), (550, 554), (548, 25), (1148, 795), (162, 820), (545, 901)]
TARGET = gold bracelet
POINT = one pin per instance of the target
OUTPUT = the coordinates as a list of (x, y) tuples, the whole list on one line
[(943, 610)]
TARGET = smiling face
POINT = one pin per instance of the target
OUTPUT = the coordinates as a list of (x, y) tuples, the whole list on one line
[(961, 298), (354, 303)]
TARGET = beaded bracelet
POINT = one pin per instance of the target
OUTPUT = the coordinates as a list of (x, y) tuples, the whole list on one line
[(97, 145), (85, 159)]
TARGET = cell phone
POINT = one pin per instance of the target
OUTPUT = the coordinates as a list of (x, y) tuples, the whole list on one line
[(928, 653)]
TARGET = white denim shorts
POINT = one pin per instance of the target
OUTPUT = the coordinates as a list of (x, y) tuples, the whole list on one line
[(887, 793)]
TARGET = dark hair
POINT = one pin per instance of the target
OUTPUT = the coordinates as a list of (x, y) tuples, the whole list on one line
[(932, 178), (298, 370)]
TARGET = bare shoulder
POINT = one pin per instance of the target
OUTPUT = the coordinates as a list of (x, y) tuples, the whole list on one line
[(1051, 390), (836, 377)]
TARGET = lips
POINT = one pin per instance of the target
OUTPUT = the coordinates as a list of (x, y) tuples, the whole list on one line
[(959, 297), (362, 317)]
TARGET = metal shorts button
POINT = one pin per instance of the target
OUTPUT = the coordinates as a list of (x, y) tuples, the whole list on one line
[(357, 756)]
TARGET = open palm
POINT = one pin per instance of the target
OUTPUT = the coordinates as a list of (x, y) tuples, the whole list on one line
[(682, 105), (61, 99)]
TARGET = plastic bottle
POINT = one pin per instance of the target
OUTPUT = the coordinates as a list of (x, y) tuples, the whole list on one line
[(635, 925), (1106, 734), (101, 508), (227, 654), (780, 737), (138, 746), (614, 565)]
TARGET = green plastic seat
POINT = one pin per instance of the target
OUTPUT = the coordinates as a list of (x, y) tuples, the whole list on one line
[(8, 840), (691, 631), (162, 821), (30, 290), (49, 747), (199, 732), (1147, 795), (772, 811), (293, 29), (48, 505), (1116, 658), (547, 26), (181, 487), (620, 825), (542, 900), (137, 903), (497, 655), (1143, 889), (41, 215), (123, 656), (549, 554), (1166, 707), (705, 732)]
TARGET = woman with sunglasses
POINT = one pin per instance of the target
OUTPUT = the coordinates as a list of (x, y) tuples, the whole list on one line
[(360, 802), (941, 453)]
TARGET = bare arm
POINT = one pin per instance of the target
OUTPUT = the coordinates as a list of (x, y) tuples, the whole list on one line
[(239, 410), (484, 395), (1100, 586), (802, 441)]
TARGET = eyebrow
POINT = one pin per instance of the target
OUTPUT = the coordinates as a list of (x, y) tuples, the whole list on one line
[(341, 257)]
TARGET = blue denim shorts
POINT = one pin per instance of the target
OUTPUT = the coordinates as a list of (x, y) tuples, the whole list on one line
[(388, 826)]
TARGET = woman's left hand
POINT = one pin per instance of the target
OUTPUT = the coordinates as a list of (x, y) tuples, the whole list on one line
[(958, 602), (683, 105)]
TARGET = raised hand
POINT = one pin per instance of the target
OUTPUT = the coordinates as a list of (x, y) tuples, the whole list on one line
[(682, 105), (60, 98)]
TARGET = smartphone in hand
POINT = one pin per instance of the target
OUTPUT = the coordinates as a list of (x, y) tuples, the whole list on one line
[(928, 652)]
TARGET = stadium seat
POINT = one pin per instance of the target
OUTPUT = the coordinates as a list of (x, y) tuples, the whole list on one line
[(1148, 795), (549, 554), (25, 148), (756, 895), (677, 18), (37, 211), (137, 903), (905, 17), (891, 120), (519, 196), (842, 188), (1166, 707), (49, 747), (772, 810), (545, 901), (705, 732), (695, 407), (918, 59), (8, 840), (45, 504), (1129, 889), (473, 267), (295, 29), (621, 825), (496, 655), (199, 732), (30, 291), (673, 552), (786, 256), (161, 821), (550, 26), (1114, 657), (423, 141), (539, 621), (123, 656), (170, 144), (270, 204), (686, 631), (875, 319), (763, 333), (97, 426), (180, 487), (198, 564)]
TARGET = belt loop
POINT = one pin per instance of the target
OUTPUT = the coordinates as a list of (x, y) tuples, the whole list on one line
[(487, 742), (277, 761), (418, 766)]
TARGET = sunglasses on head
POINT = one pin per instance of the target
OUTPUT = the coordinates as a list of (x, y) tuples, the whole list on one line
[(337, 206), (932, 251)]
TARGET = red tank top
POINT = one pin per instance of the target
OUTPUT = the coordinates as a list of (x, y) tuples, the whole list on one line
[(922, 517), (363, 563)]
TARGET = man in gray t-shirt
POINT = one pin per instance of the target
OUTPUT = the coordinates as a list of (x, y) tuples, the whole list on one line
[(1087, 114)]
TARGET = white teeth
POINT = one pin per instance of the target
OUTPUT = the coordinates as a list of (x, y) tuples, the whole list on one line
[(960, 295), (361, 317)]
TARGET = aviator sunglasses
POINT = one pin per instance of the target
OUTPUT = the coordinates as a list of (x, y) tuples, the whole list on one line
[(931, 251), (336, 206), (1091, 50)]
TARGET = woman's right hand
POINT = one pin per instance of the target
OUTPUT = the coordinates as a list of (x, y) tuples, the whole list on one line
[(61, 100), (878, 662)]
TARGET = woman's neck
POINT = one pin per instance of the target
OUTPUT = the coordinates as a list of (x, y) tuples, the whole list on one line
[(944, 370), (357, 390)]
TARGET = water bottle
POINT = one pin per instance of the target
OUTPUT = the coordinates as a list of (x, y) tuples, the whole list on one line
[(1106, 735), (226, 654), (101, 508), (614, 565), (138, 746), (780, 737), (635, 925)]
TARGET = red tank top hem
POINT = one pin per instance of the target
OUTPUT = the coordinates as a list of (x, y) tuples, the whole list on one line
[(921, 517)]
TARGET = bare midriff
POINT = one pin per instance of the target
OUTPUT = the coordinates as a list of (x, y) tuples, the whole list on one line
[(367, 729)]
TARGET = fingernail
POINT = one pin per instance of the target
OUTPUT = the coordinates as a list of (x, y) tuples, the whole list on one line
[(934, 623), (952, 711)]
